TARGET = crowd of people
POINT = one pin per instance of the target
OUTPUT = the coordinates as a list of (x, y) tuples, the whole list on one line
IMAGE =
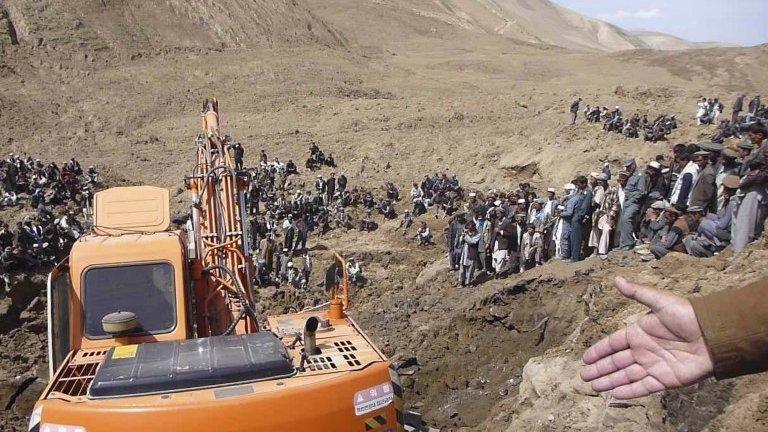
[(55, 198), (697, 200), (613, 120), (282, 215), (708, 111), (317, 158), (731, 127)]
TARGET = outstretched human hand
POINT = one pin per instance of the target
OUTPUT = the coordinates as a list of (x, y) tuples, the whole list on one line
[(664, 349)]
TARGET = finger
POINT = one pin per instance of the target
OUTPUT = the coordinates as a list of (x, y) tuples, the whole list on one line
[(628, 375), (607, 365), (641, 388), (653, 298), (607, 346)]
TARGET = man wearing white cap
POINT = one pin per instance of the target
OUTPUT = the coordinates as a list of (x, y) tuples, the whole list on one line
[(653, 226), (354, 271), (469, 207), (657, 181), (522, 206), (551, 204), (293, 276), (320, 185)]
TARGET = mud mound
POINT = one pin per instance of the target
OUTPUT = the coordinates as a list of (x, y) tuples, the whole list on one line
[(23, 354)]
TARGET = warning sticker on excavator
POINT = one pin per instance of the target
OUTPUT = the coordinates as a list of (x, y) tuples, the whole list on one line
[(373, 398), (127, 351)]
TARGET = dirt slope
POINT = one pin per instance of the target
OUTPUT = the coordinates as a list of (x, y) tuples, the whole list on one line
[(143, 24)]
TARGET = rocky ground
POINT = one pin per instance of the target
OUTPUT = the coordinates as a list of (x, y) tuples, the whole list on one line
[(393, 96), (505, 355)]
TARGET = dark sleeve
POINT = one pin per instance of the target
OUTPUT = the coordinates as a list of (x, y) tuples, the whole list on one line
[(607, 171), (710, 191), (671, 238), (735, 328), (685, 189), (757, 160), (724, 221)]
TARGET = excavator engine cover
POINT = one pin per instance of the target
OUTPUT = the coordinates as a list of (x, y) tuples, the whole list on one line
[(165, 367)]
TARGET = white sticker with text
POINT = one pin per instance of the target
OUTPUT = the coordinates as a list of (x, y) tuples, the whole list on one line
[(373, 398)]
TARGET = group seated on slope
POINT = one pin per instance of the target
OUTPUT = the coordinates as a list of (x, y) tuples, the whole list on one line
[(614, 121), (56, 196), (739, 121)]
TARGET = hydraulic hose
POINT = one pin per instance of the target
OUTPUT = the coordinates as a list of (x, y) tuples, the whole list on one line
[(240, 295)]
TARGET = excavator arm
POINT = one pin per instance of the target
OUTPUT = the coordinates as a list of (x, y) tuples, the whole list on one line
[(222, 265)]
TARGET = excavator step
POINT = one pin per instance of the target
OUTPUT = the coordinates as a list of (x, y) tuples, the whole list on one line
[(414, 423)]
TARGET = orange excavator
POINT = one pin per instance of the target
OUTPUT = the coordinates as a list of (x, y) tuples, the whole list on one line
[(152, 328)]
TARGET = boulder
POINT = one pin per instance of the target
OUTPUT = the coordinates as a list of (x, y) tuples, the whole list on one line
[(558, 400)]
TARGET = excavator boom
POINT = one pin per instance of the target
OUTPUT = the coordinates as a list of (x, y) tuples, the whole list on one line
[(222, 290)]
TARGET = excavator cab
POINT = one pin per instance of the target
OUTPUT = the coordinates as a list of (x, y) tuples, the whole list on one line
[(124, 283)]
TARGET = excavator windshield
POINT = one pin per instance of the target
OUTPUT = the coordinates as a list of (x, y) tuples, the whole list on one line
[(146, 290)]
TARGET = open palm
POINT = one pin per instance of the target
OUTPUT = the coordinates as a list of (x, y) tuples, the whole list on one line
[(664, 349)]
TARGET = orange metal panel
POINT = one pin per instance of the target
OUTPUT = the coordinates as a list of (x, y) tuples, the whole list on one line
[(127, 249), (142, 209), (322, 403)]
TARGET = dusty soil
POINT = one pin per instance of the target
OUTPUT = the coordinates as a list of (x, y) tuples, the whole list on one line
[(393, 95)]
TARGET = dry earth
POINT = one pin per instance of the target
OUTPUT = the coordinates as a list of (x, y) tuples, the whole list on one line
[(394, 94)]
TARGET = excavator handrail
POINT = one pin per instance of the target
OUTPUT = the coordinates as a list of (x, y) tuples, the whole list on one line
[(340, 291)]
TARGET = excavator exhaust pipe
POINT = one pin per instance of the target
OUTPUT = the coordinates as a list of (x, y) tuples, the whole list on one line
[(310, 340)]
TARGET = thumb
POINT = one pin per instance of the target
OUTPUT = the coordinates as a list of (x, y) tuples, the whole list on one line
[(654, 298)]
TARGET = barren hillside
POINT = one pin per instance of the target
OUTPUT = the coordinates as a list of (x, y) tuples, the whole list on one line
[(665, 42), (144, 24), (536, 22), (395, 90)]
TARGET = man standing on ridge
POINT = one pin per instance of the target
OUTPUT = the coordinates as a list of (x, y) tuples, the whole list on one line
[(738, 107), (575, 110)]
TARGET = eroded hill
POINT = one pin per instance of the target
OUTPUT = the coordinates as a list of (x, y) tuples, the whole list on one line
[(139, 24), (118, 84)]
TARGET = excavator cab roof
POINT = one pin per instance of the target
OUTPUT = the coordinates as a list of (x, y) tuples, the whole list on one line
[(134, 209)]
